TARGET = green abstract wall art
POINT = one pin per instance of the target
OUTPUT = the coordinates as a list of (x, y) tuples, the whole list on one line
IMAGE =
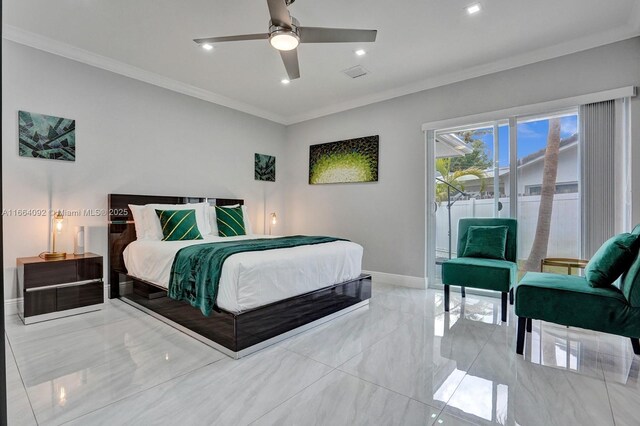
[(265, 167), (348, 161), (45, 136)]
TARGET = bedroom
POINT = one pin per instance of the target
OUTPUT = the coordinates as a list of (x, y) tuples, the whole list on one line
[(158, 115)]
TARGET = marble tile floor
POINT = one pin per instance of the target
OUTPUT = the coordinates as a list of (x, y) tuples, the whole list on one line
[(400, 361)]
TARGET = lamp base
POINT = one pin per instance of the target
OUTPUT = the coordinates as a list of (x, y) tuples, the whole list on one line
[(54, 255)]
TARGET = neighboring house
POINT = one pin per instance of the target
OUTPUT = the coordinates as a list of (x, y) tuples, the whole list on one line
[(530, 169)]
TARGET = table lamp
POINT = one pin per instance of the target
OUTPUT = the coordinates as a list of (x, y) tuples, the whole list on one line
[(272, 222), (58, 220)]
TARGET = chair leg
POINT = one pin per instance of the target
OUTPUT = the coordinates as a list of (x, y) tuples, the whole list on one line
[(511, 297), (446, 298), (464, 294), (636, 345), (522, 323), (504, 307), (529, 325)]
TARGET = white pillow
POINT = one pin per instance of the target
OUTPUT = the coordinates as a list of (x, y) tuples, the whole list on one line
[(152, 223), (213, 220), (138, 213)]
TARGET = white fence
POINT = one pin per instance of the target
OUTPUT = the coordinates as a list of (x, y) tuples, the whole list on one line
[(564, 239)]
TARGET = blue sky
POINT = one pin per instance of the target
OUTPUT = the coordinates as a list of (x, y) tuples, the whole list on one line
[(532, 137)]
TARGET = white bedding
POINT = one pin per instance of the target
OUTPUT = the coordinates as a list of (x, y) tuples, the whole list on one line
[(253, 279)]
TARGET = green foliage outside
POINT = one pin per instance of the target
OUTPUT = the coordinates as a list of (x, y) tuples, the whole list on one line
[(478, 159), (443, 166)]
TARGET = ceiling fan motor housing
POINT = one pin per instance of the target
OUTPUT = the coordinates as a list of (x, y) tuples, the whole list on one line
[(294, 27)]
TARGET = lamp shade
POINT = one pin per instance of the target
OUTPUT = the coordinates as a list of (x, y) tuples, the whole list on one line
[(56, 227)]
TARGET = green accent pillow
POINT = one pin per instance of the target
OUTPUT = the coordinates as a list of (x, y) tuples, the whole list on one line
[(179, 225), (488, 242), (230, 221), (612, 259)]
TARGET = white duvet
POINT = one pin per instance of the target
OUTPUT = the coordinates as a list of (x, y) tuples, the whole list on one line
[(254, 279)]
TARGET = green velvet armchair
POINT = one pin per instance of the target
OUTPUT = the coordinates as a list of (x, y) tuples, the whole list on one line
[(487, 274), (571, 301)]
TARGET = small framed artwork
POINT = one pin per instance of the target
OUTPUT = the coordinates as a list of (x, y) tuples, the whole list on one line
[(46, 136), (348, 161), (265, 167)]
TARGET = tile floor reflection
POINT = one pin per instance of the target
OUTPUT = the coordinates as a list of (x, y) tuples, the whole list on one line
[(402, 361)]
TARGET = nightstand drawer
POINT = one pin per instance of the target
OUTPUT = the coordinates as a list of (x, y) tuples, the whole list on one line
[(50, 273), (89, 269), (40, 302), (79, 295)]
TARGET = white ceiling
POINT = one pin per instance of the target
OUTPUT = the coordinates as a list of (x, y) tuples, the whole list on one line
[(421, 44)]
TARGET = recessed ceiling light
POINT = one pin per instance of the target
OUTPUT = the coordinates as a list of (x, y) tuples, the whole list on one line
[(473, 9), (207, 46), (285, 81), (361, 52)]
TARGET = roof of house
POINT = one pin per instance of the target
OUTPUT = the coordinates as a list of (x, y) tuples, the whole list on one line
[(564, 143)]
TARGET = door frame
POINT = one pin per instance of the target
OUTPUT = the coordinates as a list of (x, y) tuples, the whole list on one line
[(430, 175)]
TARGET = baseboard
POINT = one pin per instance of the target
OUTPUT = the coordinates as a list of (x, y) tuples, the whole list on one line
[(399, 280), (11, 306)]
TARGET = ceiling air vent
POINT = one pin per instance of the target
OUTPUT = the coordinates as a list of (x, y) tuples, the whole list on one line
[(355, 72)]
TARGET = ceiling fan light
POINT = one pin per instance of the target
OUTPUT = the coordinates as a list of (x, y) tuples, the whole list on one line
[(207, 46), (284, 40)]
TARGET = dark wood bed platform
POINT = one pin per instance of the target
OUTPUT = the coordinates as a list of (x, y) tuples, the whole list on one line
[(235, 334)]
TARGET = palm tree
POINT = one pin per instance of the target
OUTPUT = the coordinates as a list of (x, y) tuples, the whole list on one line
[(549, 175), (443, 166)]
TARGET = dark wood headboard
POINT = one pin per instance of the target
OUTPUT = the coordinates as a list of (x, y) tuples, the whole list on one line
[(122, 230)]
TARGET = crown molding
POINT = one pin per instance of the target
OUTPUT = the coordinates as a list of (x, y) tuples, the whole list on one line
[(561, 49), (49, 45), (68, 51)]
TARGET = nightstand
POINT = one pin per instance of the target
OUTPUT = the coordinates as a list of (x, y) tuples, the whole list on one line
[(58, 288)]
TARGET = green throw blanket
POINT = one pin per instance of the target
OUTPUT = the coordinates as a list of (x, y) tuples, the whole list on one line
[(196, 270)]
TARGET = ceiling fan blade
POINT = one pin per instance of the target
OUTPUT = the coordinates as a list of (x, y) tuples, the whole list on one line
[(290, 59), (336, 35), (279, 13), (232, 38)]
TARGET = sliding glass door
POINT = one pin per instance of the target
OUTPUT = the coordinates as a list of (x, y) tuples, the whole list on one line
[(548, 188), (471, 164), (524, 167)]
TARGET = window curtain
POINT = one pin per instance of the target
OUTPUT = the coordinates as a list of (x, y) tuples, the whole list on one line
[(598, 174)]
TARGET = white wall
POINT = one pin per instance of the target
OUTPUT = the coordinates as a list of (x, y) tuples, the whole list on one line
[(131, 138), (388, 217)]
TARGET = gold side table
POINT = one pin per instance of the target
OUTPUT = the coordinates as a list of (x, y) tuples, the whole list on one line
[(563, 262)]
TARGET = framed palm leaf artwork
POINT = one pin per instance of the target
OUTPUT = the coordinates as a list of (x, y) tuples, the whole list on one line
[(265, 167), (46, 136)]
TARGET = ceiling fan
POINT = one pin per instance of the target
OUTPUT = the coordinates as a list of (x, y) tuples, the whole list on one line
[(285, 34)]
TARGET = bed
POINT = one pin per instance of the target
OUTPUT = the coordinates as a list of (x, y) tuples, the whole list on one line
[(263, 296)]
